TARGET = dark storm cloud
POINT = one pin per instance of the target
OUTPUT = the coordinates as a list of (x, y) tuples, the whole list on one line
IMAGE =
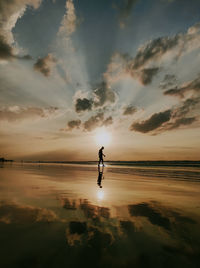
[(125, 10), (152, 123), (45, 65), (16, 113), (129, 110), (83, 105), (74, 124), (153, 215)]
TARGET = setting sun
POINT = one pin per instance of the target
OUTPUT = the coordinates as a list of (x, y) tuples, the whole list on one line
[(102, 137)]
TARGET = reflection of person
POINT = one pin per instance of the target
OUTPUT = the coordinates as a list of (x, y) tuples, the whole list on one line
[(101, 156), (100, 177)]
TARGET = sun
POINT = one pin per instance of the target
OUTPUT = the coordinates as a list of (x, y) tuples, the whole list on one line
[(102, 137)]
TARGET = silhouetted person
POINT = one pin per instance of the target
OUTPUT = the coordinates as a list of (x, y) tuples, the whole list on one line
[(101, 156), (100, 177)]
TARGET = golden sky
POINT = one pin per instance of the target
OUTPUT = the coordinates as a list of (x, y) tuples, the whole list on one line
[(124, 75)]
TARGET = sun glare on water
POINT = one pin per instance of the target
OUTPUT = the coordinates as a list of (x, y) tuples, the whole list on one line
[(100, 194), (102, 137)]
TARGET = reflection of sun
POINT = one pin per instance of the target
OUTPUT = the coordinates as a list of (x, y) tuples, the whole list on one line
[(102, 137), (100, 194)]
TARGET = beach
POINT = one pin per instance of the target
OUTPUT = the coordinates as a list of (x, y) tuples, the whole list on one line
[(57, 215)]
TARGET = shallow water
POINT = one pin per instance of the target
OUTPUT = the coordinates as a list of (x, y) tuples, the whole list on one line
[(56, 215)]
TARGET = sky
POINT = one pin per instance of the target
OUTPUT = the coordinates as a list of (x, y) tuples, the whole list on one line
[(77, 75)]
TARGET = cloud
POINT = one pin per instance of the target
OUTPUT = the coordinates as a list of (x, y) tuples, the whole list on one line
[(93, 122), (103, 94), (125, 11), (129, 110), (16, 113), (69, 21), (191, 86), (146, 75), (122, 65), (152, 123), (45, 65), (73, 124), (83, 105), (182, 115), (187, 106), (97, 121), (145, 65), (100, 97), (181, 122), (10, 12), (169, 80), (6, 51), (108, 121)]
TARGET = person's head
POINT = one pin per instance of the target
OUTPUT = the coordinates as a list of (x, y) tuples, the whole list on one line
[(102, 147)]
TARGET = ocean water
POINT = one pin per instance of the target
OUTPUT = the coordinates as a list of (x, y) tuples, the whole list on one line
[(127, 214)]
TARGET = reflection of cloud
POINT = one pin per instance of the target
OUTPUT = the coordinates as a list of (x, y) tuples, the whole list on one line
[(106, 241), (92, 211), (159, 215), (15, 213), (127, 227), (77, 227), (153, 215), (67, 204)]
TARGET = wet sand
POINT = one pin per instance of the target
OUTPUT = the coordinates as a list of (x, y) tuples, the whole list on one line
[(56, 215)]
